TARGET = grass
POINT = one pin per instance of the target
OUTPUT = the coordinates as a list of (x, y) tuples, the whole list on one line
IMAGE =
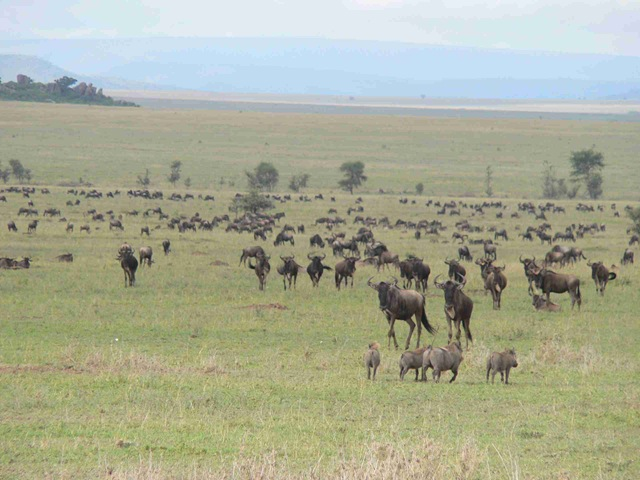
[(194, 374)]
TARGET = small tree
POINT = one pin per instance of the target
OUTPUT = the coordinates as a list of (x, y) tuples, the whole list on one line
[(253, 202), (174, 174), (354, 176), (419, 188), (264, 177), (65, 82), (144, 181), (586, 168), (18, 170), (634, 215), (187, 182), (298, 182), (489, 182), (5, 173)]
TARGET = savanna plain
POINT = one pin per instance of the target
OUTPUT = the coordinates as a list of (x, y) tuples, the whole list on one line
[(195, 373)]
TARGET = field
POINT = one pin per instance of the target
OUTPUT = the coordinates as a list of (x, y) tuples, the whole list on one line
[(194, 373)]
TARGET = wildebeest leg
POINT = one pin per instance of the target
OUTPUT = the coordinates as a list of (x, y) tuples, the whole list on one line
[(467, 332), (125, 278), (455, 374), (412, 326), (450, 330), (458, 330), (392, 333)]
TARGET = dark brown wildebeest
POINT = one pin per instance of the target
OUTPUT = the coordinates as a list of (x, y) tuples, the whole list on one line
[(11, 225), (484, 265), (541, 305), (601, 275), (544, 237), (459, 236), (316, 268), (551, 282), (634, 239), (386, 258), (344, 270), (501, 362), (129, 264), (502, 233), (316, 241), (456, 271), (400, 304), (259, 234), (554, 257), (372, 360), (411, 360), (496, 282), (490, 251), (146, 256), (85, 228), (526, 236), (406, 272), (464, 254), (166, 246), (627, 257), (262, 269), (33, 225), (421, 272), (144, 230), (289, 271), (65, 257), (69, 228), (283, 237), (250, 252), (575, 255), (115, 223), (527, 263), (441, 359), (458, 307), (24, 263)]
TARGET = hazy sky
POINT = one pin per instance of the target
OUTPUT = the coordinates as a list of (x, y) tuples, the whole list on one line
[(589, 26)]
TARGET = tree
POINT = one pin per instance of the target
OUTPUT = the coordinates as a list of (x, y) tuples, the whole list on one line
[(174, 175), (419, 188), (18, 170), (187, 182), (264, 177), (489, 182), (144, 181), (354, 176), (634, 215), (586, 168), (298, 182), (253, 202), (65, 82), (5, 173)]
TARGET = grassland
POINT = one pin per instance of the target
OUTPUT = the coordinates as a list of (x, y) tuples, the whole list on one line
[(193, 373)]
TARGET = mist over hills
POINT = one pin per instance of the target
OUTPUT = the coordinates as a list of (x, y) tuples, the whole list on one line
[(314, 66)]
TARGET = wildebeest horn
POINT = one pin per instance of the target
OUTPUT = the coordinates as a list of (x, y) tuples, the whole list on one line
[(372, 285), (436, 283), (309, 256), (281, 258), (324, 255), (589, 263), (447, 261), (463, 283)]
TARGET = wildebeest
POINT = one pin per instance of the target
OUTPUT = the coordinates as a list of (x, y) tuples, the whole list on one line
[(554, 257), (115, 223), (501, 362), (411, 360), (69, 227), (484, 264), (544, 237), (344, 270), (456, 271), (496, 282), (441, 359), (421, 272), (11, 225), (262, 269), (406, 272), (250, 252), (551, 282), (541, 305), (502, 233), (33, 225), (146, 256), (166, 246), (601, 275), (634, 239), (283, 237), (10, 263), (458, 307), (85, 228), (316, 241), (144, 230), (289, 271), (65, 257), (627, 257), (316, 268), (490, 251), (400, 304), (386, 258), (464, 254), (459, 236), (129, 264), (372, 360)]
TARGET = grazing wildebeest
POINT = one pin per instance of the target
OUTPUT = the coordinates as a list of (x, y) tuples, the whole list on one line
[(283, 237), (115, 223), (69, 228), (441, 359), (627, 257), (65, 257), (496, 282), (344, 270), (490, 251), (464, 254), (85, 228), (502, 233), (386, 258), (501, 362), (601, 275), (551, 282), (458, 307), (400, 304), (289, 271), (316, 268), (526, 236), (544, 237), (421, 272), (372, 360), (316, 241), (250, 252), (411, 360), (129, 264), (146, 256), (144, 230), (262, 269), (11, 225), (259, 234), (541, 305), (456, 271), (458, 236), (634, 239), (33, 225)]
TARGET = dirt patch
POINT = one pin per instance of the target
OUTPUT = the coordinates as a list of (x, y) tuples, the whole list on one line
[(266, 306), (219, 263)]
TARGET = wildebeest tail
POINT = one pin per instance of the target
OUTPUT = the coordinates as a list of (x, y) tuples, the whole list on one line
[(425, 322), (612, 276)]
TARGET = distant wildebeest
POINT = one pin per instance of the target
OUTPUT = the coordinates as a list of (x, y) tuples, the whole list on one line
[(69, 227), (65, 257), (557, 258), (262, 269), (441, 359), (372, 360), (115, 223), (11, 225), (85, 228), (316, 268), (411, 360), (526, 236), (456, 271), (501, 362), (601, 275), (166, 246), (551, 282), (259, 234), (459, 236), (544, 237), (458, 307), (502, 233), (144, 230), (464, 254), (634, 239), (283, 237), (33, 225), (316, 241), (289, 271), (387, 258), (146, 256), (129, 264), (250, 252), (496, 282), (490, 251), (400, 304), (421, 272), (627, 257), (344, 270)]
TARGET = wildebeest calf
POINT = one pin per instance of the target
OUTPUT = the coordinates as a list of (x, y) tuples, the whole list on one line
[(372, 360), (501, 362)]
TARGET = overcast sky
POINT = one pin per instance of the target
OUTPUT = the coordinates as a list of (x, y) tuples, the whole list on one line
[(586, 26)]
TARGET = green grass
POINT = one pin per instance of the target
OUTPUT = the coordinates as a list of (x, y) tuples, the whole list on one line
[(183, 377)]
